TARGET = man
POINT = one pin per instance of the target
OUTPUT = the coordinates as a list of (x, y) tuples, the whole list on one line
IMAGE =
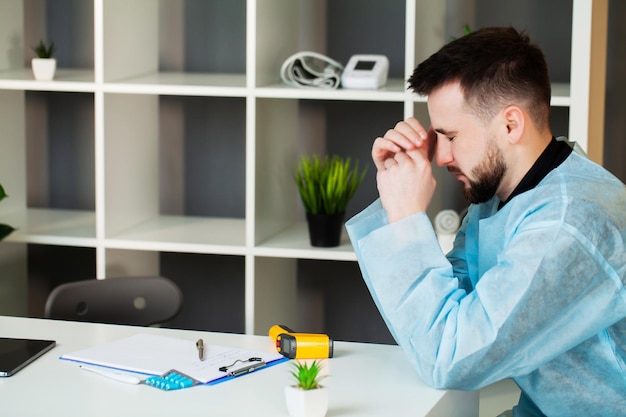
[(534, 287)]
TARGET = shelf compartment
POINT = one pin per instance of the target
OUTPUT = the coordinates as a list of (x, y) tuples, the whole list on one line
[(184, 234), (69, 24), (293, 242), (287, 128), (74, 80), (332, 298), (213, 288), (559, 123), (53, 227), (182, 84), (50, 266), (549, 25), (60, 145), (155, 37), (394, 90), (13, 166), (362, 33), (285, 28), (172, 157), (347, 129), (560, 95)]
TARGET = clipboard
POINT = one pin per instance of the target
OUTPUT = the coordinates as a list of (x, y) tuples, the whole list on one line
[(150, 354)]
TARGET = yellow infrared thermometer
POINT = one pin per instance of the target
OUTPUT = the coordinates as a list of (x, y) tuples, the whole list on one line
[(295, 345)]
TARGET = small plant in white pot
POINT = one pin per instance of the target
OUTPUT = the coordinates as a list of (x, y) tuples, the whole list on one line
[(307, 398), (44, 65)]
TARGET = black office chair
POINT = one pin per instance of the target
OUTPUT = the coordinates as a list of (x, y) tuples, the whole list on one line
[(142, 301)]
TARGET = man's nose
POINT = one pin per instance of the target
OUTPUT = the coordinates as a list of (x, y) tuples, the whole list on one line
[(443, 152)]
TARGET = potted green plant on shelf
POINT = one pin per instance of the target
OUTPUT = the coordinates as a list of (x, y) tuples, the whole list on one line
[(306, 398), (326, 187), (5, 229), (44, 65)]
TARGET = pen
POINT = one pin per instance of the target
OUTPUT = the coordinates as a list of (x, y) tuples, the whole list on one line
[(200, 346), (117, 376)]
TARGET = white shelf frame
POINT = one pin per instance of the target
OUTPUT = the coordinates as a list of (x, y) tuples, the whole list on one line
[(270, 240)]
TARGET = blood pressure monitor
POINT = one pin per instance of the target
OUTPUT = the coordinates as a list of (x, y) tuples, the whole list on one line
[(365, 72)]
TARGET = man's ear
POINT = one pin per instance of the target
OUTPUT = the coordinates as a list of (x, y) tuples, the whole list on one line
[(514, 119)]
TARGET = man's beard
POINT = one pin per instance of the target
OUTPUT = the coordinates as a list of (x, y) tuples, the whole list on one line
[(488, 174)]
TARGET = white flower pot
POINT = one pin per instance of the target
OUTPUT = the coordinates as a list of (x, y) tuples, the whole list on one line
[(306, 403), (44, 68)]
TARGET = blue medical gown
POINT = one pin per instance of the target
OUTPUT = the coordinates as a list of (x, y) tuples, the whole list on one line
[(533, 291)]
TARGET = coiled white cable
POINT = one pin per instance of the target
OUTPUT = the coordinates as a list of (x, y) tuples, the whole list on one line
[(447, 223), (311, 69)]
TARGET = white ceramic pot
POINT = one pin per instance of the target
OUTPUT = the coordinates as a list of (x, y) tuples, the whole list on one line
[(44, 68), (309, 403)]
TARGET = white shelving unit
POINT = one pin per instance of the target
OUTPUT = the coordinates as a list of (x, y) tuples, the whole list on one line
[(132, 134)]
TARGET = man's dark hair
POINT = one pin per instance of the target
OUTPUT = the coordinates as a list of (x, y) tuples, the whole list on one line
[(495, 67)]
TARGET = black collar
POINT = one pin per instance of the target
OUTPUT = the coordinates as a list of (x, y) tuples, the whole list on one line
[(555, 153)]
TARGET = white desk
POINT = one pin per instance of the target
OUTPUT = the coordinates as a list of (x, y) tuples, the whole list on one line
[(364, 380)]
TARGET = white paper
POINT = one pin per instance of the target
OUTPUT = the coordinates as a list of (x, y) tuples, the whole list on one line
[(156, 355)]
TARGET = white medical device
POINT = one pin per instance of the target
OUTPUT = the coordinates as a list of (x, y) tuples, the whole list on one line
[(365, 72), (311, 69), (447, 223)]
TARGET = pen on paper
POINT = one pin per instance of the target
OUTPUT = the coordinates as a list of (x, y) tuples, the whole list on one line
[(115, 375), (200, 347)]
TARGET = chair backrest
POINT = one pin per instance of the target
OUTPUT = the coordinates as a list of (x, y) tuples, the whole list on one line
[(142, 301)]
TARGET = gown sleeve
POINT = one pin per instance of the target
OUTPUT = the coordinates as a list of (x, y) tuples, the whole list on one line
[(529, 306)]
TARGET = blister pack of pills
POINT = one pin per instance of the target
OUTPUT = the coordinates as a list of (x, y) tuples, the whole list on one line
[(171, 380)]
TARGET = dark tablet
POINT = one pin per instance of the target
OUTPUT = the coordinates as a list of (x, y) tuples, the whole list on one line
[(17, 353)]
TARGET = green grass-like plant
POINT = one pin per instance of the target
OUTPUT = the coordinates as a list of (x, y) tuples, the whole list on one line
[(306, 375), (467, 29), (5, 229), (327, 185), (44, 51)]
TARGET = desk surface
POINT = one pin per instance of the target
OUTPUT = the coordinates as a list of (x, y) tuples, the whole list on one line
[(364, 380)]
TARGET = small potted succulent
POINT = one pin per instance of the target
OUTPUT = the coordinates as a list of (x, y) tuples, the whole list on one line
[(307, 398), (44, 65), (326, 187)]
